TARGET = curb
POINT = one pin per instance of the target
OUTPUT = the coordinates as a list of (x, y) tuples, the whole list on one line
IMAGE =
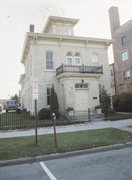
[(63, 155)]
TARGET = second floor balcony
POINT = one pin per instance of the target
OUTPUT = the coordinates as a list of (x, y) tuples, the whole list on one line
[(73, 69)]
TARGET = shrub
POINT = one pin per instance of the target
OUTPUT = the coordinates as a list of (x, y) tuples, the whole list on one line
[(105, 102), (44, 114), (54, 105), (122, 102), (97, 107), (25, 113), (70, 109)]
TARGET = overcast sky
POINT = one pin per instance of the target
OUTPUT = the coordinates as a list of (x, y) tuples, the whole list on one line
[(16, 15)]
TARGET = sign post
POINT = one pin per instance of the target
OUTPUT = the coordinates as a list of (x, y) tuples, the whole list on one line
[(35, 98), (36, 133)]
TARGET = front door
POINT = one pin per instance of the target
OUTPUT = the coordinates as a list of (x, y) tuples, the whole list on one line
[(81, 100)]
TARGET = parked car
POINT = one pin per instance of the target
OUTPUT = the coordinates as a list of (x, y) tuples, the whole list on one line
[(11, 105)]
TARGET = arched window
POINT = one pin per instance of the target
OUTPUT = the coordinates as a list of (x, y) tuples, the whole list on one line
[(77, 58), (73, 60), (69, 58), (77, 54), (69, 54), (95, 59)]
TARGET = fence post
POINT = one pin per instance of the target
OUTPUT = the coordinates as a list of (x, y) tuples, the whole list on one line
[(89, 115)]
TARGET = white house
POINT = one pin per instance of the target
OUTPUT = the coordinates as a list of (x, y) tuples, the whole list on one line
[(77, 67)]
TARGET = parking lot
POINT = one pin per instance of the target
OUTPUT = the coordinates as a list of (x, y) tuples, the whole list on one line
[(115, 164)]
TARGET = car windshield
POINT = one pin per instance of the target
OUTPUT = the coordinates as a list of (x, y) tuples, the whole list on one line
[(11, 102)]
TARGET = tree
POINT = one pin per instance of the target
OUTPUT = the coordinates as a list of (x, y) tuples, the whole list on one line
[(54, 105), (105, 102), (15, 97)]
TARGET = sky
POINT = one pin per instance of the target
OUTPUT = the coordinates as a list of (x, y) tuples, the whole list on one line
[(16, 15)]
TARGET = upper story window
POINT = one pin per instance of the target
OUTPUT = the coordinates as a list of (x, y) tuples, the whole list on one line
[(49, 60), (112, 73), (95, 59), (124, 56), (124, 41), (69, 58), (77, 59), (126, 74), (73, 60)]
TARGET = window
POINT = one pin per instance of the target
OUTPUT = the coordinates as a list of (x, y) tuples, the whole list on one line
[(49, 86), (49, 60), (69, 59), (124, 41), (95, 98), (81, 85), (77, 59), (112, 72), (95, 59), (126, 74), (73, 60), (124, 56)]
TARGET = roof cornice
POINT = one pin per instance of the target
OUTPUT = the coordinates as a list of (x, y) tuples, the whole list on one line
[(51, 36), (42, 36)]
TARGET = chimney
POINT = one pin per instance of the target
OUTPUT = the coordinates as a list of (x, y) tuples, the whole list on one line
[(31, 28), (114, 19)]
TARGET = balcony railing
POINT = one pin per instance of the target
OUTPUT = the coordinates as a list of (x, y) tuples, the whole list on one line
[(79, 69)]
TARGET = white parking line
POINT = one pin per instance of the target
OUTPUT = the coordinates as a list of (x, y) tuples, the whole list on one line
[(51, 176)]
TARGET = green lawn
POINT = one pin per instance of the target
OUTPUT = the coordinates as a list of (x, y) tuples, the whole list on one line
[(11, 148)]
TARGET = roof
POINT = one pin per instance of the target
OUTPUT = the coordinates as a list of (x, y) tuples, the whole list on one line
[(54, 19)]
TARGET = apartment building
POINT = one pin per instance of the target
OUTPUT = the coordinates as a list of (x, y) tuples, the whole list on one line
[(122, 49)]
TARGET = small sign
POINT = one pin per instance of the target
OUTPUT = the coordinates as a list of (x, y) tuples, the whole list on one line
[(35, 96), (35, 88), (35, 79)]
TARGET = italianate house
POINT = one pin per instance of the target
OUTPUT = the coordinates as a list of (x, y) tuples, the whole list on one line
[(76, 66)]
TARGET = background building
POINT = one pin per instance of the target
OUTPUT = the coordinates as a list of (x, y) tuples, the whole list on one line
[(122, 48), (77, 67)]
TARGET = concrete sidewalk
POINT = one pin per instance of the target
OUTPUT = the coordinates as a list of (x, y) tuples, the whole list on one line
[(121, 124)]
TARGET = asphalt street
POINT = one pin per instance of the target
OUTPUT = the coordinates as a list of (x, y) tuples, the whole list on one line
[(108, 165)]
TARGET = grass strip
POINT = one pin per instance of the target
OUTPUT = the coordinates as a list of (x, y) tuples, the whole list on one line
[(11, 148)]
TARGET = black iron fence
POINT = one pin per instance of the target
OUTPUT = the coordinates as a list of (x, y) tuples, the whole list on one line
[(85, 116), (13, 120)]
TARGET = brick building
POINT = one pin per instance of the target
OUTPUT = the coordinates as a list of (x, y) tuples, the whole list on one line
[(122, 49)]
